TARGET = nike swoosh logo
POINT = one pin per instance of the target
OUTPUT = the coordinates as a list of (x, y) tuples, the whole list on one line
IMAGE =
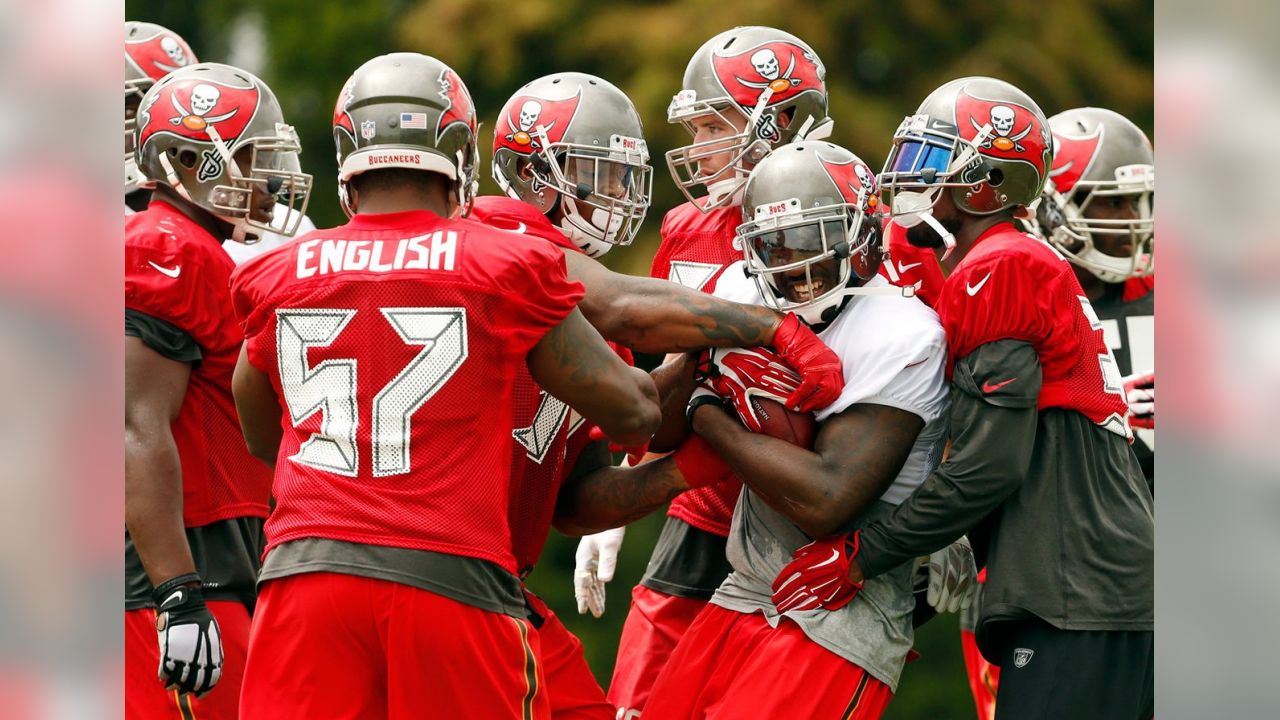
[(988, 388), (973, 289), (905, 267), (171, 272), (170, 600), (520, 228)]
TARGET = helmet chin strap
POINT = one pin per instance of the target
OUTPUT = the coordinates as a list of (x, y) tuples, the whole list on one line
[(581, 231), (1107, 268)]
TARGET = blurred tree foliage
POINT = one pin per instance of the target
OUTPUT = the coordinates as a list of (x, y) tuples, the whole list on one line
[(881, 60)]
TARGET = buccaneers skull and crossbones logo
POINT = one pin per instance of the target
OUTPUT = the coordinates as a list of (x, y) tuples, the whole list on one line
[(1003, 119), (204, 98)]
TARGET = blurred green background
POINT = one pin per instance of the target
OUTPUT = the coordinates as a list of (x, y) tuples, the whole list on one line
[(881, 60)]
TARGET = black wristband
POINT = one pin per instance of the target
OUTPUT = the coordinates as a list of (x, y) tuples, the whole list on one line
[(168, 586), (699, 401)]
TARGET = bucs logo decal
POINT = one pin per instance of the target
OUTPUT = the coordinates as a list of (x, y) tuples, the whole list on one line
[(527, 121), (1072, 157), (341, 113), (852, 177), (460, 109), (785, 68), (159, 55), (191, 108), (1016, 132)]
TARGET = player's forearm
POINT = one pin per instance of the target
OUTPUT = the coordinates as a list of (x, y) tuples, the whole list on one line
[(613, 497), (153, 502), (990, 455), (798, 483), (651, 315), (675, 383)]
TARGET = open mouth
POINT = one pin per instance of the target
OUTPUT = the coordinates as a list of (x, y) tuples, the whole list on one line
[(802, 289)]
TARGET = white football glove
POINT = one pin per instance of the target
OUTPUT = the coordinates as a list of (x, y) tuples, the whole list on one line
[(953, 577), (595, 562)]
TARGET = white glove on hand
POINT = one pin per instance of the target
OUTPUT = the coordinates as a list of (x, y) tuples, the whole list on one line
[(953, 577), (595, 562)]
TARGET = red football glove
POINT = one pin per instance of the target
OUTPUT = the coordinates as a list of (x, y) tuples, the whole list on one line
[(1140, 393), (634, 454), (821, 373), (699, 464), (737, 374), (818, 576)]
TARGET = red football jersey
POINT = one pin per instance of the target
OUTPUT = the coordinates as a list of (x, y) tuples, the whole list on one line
[(548, 436), (1014, 286), (696, 248), (503, 213), (393, 341), (914, 266), (176, 271)]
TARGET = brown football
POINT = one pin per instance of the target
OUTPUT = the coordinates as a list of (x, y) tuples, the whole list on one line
[(777, 421)]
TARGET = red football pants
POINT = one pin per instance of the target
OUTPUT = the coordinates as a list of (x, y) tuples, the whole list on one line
[(732, 665), (984, 678), (145, 696), (328, 645), (572, 690), (655, 623)]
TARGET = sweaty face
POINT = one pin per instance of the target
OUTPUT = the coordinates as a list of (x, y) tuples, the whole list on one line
[(718, 130)]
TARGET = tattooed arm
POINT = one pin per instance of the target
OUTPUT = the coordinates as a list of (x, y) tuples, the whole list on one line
[(658, 316), (573, 363), (597, 497)]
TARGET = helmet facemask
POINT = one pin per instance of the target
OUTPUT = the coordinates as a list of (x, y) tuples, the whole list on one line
[(604, 192), (928, 156), (743, 147), (1063, 218), (257, 168), (809, 261)]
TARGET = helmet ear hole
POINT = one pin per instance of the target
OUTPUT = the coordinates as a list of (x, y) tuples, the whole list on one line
[(995, 176), (187, 158)]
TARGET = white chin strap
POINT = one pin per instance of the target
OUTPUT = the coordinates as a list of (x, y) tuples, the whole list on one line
[(1107, 268), (912, 208), (588, 235), (727, 192)]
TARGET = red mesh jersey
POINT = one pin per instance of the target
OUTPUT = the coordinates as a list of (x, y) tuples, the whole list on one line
[(1014, 286), (696, 248), (1135, 288), (548, 437), (516, 216), (394, 341), (913, 265), (176, 271)]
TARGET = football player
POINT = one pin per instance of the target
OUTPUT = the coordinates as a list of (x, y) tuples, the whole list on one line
[(745, 92), (214, 142), (1039, 472), (387, 347), (569, 150), (1096, 210), (812, 239), (150, 53)]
